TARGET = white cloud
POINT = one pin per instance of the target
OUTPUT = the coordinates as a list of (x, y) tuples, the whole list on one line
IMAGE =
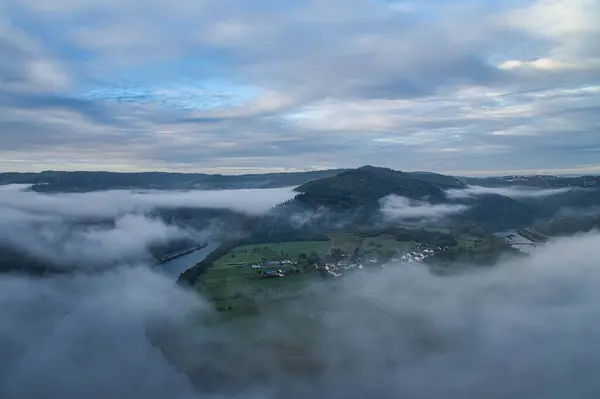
[(120, 202), (84, 335), (548, 64), (513, 192), (394, 207), (99, 229), (491, 332)]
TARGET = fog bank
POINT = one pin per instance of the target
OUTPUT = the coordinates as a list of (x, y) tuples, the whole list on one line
[(394, 207), (115, 203), (84, 336), (512, 192), (108, 227)]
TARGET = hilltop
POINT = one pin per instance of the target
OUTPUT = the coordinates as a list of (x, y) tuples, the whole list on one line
[(364, 187)]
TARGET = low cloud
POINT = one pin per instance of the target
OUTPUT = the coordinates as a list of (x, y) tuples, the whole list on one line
[(83, 336), (520, 329), (394, 207), (111, 227), (513, 192), (113, 203), (126, 240)]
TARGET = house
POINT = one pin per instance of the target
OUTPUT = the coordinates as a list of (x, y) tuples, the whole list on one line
[(271, 263), (272, 273)]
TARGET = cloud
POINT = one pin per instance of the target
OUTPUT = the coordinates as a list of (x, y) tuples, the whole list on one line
[(112, 203), (99, 229), (228, 86), (513, 192), (127, 240), (386, 333), (392, 333), (520, 328), (83, 335), (394, 207)]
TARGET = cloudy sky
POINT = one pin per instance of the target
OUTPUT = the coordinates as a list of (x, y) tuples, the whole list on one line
[(234, 86)]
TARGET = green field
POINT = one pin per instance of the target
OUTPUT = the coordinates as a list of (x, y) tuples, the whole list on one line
[(249, 254), (385, 244), (233, 284), (346, 242), (467, 241)]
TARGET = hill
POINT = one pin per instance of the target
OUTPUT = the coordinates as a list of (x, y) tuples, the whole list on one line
[(441, 181), (363, 188), (496, 212)]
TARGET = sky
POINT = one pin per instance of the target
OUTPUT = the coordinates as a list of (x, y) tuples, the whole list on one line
[(234, 86)]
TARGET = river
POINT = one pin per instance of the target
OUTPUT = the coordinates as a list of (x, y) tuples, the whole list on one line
[(176, 266)]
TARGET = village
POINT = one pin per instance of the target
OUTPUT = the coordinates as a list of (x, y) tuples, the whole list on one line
[(340, 260), (340, 267)]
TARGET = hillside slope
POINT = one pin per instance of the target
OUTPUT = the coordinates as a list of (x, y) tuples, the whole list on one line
[(441, 181)]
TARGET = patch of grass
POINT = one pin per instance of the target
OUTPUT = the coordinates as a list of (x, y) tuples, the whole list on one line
[(467, 241), (249, 254), (386, 243), (233, 284), (346, 242)]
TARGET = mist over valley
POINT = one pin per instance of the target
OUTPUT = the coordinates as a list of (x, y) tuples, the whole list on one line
[(383, 282)]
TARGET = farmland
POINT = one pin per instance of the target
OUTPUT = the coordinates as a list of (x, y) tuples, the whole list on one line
[(236, 281), (234, 285), (244, 278)]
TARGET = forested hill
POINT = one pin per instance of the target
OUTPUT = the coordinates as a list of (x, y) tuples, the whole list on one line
[(441, 181), (364, 187)]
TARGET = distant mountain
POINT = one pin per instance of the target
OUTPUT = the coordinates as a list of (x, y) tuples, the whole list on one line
[(56, 181), (19, 178), (536, 181)]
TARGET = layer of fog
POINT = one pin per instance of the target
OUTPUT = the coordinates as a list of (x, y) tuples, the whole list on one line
[(127, 240), (84, 336), (515, 192), (115, 203), (394, 207), (523, 329), (108, 227)]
